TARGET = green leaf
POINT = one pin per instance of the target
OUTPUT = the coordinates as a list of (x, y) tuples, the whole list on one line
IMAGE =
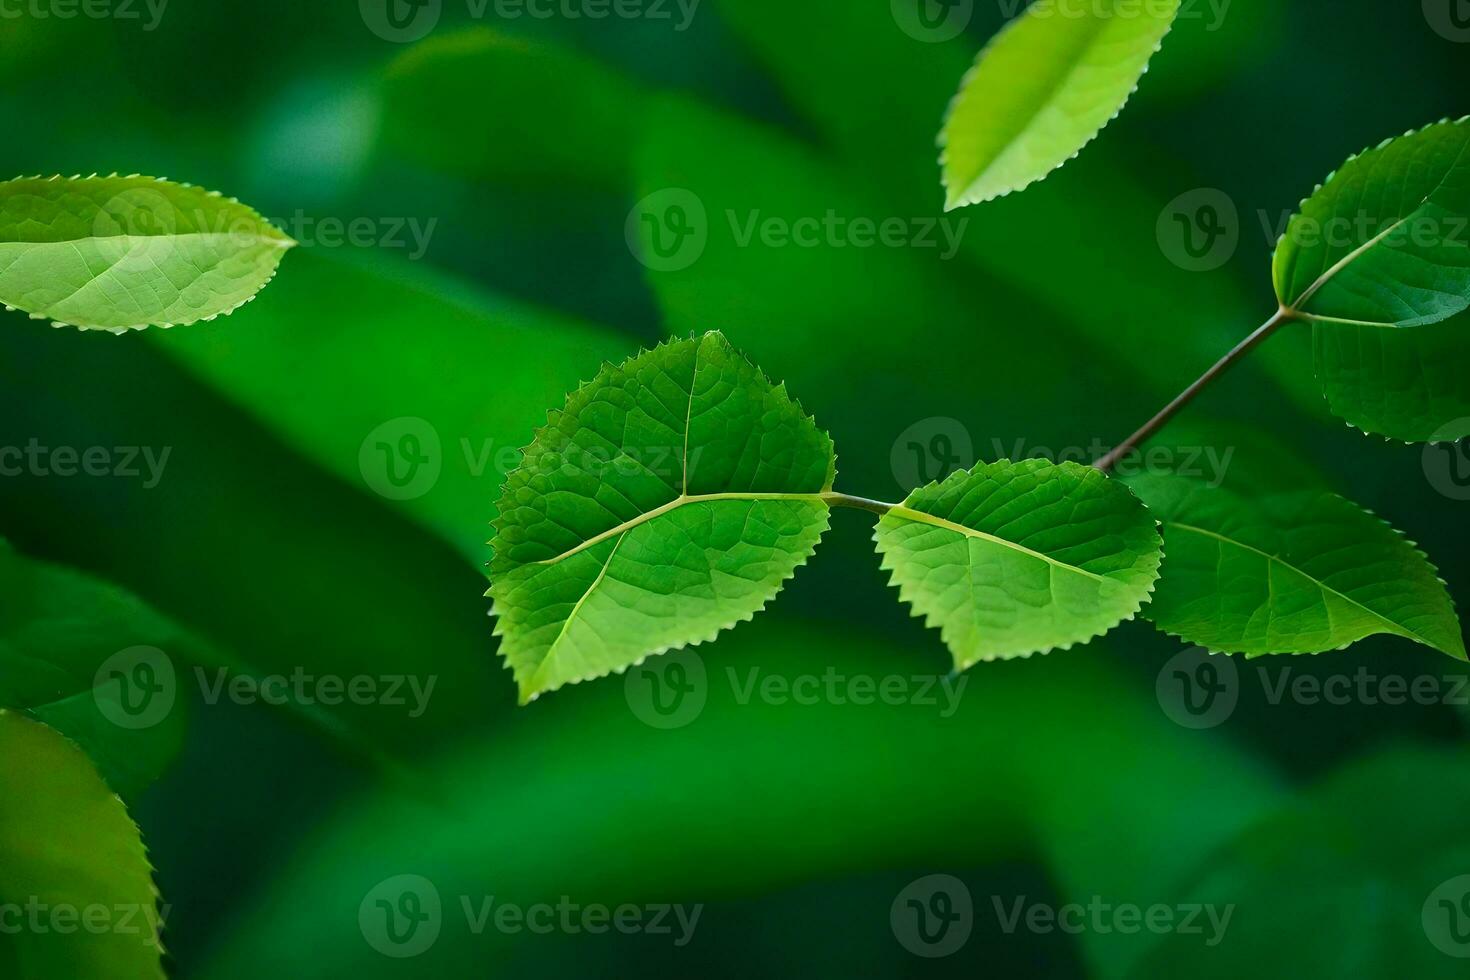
[(328, 400), (594, 144), (1012, 559), (886, 767), (67, 846), (669, 501), (846, 91), (1289, 573), (1384, 241), (58, 628), (1404, 384), (119, 253), (1377, 851), (1043, 89)]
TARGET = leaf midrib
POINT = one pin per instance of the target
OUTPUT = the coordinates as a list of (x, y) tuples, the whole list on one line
[(826, 499), (1397, 628), (1357, 253), (253, 237)]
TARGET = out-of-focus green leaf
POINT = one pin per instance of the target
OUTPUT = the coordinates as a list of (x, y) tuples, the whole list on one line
[(1043, 89), (1410, 384), (670, 500), (1024, 557), (74, 878), (1366, 875), (123, 253), (430, 425), (61, 635), (883, 131), (1385, 242), (1289, 573), (539, 112), (332, 608), (732, 803), (782, 252)]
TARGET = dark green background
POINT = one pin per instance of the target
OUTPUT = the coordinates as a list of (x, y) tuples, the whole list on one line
[(1062, 322)]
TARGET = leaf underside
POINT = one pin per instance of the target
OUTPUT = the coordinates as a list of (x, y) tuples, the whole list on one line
[(1029, 557), (1043, 89), (1289, 573), (119, 253), (670, 500), (1384, 241), (1412, 385), (67, 842)]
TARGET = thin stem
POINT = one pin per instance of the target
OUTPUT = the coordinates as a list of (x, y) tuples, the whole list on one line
[(878, 507), (1282, 317)]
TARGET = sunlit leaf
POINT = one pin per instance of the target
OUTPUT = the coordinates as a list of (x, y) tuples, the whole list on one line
[(119, 253), (1043, 89), (1289, 573), (1385, 242), (69, 849), (668, 502), (1013, 559)]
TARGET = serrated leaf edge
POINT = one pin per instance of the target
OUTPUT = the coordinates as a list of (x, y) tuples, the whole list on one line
[(1414, 547), (954, 203), (905, 593), (605, 368), (286, 243)]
